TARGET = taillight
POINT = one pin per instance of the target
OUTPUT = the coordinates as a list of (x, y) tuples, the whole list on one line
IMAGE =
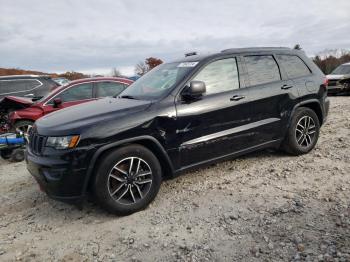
[(325, 82)]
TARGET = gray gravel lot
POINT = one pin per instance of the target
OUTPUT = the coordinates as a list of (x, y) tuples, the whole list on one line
[(266, 206)]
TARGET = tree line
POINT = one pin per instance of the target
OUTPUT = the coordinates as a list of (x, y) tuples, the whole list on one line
[(329, 63), (142, 67)]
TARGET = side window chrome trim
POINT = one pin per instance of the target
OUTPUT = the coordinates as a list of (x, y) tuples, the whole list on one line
[(90, 82)]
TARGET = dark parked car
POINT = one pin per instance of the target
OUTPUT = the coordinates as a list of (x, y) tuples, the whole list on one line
[(30, 86), (339, 80), (181, 115)]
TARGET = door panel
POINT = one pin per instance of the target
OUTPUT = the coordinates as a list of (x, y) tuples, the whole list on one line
[(270, 97), (216, 124), (269, 105), (213, 127)]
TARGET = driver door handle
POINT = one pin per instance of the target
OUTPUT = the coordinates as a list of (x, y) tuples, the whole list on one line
[(237, 97), (285, 86)]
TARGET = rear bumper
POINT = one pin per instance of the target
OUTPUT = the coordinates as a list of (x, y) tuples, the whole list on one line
[(61, 177)]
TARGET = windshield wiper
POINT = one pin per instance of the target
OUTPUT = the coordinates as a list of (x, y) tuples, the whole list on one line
[(128, 97)]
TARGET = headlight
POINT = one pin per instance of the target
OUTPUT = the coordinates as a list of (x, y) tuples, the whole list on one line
[(62, 142)]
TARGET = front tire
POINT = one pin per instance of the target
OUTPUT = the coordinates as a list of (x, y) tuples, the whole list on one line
[(17, 155), (303, 132), (127, 180)]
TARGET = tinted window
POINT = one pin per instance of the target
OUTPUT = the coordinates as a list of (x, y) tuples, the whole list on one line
[(109, 88), (78, 92), (219, 76), (341, 70), (20, 85), (293, 65), (262, 69)]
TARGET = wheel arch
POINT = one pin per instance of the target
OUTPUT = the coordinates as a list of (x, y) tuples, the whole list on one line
[(147, 141), (314, 105)]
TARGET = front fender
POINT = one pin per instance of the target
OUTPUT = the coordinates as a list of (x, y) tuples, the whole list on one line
[(164, 156)]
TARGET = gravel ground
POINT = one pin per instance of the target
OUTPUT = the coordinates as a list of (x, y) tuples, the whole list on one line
[(266, 206)]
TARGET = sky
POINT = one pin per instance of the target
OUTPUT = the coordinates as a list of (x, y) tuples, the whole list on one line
[(95, 36)]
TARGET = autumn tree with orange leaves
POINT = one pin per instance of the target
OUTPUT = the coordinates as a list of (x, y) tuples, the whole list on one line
[(149, 63)]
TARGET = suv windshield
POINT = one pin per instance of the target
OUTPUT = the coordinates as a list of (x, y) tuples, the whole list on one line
[(341, 70), (158, 81)]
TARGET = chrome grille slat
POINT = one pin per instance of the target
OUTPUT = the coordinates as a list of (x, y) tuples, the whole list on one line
[(36, 143)]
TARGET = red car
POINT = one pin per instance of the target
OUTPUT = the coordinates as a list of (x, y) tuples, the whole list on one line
[(76, 92)]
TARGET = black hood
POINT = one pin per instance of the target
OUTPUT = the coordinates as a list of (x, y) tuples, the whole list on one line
[(73, 120)]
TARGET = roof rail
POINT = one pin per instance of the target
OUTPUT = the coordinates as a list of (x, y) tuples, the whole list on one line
[(254, 49), (14, 76)]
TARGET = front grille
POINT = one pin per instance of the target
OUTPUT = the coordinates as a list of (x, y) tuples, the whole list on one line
[(332, 82), (36, 143)]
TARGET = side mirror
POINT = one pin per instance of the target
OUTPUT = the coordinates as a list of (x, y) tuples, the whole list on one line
[(195, 90), (57, 102)]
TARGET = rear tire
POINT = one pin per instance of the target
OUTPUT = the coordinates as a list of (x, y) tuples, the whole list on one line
[(6, 153), (303, 132), (123, 190)]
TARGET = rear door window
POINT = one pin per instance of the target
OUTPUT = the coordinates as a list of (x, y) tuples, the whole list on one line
[(293, 66), (76, 93), (262, 69), (104, 89)]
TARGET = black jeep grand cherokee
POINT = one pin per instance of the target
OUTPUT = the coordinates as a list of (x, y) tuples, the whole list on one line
[(181, 115)]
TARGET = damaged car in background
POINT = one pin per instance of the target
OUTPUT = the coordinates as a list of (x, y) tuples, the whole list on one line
[(26, 89), (339, 80), (21, 113)]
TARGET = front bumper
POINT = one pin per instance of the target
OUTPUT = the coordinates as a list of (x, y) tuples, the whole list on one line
[(61, 176), (326, 109), (338, 89)]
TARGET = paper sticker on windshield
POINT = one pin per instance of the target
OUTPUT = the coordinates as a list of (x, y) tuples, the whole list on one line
[(187, 64)]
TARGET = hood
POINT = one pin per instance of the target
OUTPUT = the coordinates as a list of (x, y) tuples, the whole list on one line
[(338, 77), (77, 118), (10, 103)]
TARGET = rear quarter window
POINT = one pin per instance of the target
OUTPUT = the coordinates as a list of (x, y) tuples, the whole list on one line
[(293, 65), (105, 89), (262, 69)]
